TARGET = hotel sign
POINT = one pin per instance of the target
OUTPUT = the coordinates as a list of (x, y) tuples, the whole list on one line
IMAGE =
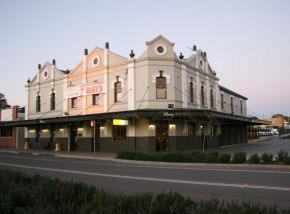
[(85, 89)]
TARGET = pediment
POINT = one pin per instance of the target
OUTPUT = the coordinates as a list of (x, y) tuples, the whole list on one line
[(160, 37)]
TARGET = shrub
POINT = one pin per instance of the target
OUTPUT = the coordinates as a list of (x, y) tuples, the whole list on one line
[(239, 157), (267, 158), (255, 158), (224, 158), (211, 157), (37, 194), (282, 154), (287, 160), (196, 157)]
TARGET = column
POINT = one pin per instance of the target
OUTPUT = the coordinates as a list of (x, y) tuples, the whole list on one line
[(184, 86), (131, 84)]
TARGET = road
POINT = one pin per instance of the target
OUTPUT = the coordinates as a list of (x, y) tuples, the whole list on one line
[(267, 186), (272, 146)]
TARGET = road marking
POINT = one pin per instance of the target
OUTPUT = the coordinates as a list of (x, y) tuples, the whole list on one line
[(154, 179), (155, 167)]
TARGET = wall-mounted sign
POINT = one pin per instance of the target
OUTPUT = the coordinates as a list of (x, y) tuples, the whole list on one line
[(85, 89), (118, 122), (93, 123), (174, 114)]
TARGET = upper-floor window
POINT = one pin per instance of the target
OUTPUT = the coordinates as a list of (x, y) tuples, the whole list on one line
[(241, 104), (95, 99), (222, 101), (191, 90), (202, 94), (232, 104), (74, 102), (38, 105), (211, 98), (52, 101), (161, 86), (118, 90)]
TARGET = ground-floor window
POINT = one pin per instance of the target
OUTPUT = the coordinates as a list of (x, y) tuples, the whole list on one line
[(119, 133), (6, 132), (191, 131)]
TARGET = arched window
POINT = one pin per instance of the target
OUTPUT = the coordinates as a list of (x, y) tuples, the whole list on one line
[(52, 101), (161, 86), (202, 94), (118, 90), (191, 90), (211, 97), (38, 100)]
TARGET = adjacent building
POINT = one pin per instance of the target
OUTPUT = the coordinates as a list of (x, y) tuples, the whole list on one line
[(157, 102)]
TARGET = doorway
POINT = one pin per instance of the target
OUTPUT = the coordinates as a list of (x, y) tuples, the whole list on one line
[(162, 136), (73, 138), (97, 138)]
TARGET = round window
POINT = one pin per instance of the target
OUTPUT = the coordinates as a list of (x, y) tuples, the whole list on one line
[(201, 64), (45, 74), (160, 49), (96, 61)]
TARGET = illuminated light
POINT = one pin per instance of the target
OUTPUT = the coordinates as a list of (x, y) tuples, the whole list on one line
[(61, 130), (44, 130), (102, 127), (32, 130), (151, 126), (172, 126), (117, 122), (80, 129)]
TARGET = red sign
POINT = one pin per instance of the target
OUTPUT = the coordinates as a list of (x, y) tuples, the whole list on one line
[(92, 123)]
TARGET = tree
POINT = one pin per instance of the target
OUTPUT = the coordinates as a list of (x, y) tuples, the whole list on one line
[(281, 116), (3, 102)]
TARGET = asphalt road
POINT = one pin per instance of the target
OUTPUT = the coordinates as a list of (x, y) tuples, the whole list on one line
[(272, 146), (267, 186)]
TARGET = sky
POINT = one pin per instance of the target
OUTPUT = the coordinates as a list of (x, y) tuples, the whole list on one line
[(247, 42)]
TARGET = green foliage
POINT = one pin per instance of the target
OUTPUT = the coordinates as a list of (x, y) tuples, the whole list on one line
[(224, 158), (255, 158), (211, 157), (20, 193), (240, 157), (282, 154), (267, 158), (287, 160)]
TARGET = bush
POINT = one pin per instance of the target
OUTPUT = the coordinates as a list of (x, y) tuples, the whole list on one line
[(287, 160), (224, 158), (211, 157), (37, 194), (240, 157), (267, 158), (282, 154), (255, 158)]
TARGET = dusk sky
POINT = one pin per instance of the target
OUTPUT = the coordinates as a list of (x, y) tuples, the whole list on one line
[(247, 42)]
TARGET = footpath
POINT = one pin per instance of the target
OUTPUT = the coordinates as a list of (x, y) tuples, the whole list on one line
[(112, 157)]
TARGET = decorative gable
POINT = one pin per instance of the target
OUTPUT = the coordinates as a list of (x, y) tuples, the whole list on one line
[(160, 47)]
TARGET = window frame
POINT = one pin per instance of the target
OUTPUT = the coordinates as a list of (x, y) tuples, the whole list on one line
[(38, 101), (119, 133), (241, 104), (202, 95), (117, 90), (232, 104), (6, 132), (191, 92), (161, 85), (94, 100), (74, 102), (52, 101), (211, 99), (222, 101), (192, 136)]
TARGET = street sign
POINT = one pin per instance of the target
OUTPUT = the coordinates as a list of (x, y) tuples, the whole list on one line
[(93, 123)]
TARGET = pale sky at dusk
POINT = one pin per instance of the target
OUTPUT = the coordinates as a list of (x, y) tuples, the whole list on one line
[(247, 42)]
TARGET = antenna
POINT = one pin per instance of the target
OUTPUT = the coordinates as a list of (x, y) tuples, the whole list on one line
[(190, 49)]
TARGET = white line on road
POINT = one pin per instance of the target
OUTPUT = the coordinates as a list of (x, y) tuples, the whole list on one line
[(154, 167), (154, 179)]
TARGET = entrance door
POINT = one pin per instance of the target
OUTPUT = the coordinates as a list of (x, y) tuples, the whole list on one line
[(97, 137), (73, 138), (162, 136)]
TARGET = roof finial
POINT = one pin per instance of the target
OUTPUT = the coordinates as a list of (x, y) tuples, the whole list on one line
[(28, 81), (132, 54), (107, 45), (53, 62), (204, 54), (86, 52), (181, 56), (39, 66), (194, 48)]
